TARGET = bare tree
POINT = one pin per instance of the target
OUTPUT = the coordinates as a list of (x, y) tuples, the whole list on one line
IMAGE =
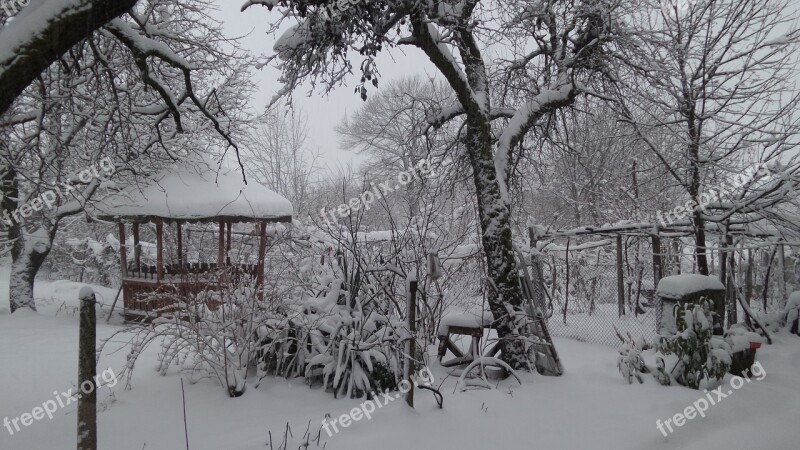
[(280, 156), (721, 91), (550, 49), (101, 111)]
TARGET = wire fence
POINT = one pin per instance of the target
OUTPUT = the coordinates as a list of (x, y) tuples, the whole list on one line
[(589, 305), (586, 307)]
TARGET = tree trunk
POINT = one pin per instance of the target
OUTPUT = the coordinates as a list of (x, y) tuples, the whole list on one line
[(700, 243), (505, 294), (61, 26), (27, 256)]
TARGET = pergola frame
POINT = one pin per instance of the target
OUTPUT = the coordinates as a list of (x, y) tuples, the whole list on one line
[(655, 232)]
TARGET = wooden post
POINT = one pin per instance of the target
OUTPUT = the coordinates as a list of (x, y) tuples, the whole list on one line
[(179, 232), (730, 280), (87, 372), (137, 248), (221, 255), (782, 280), (262, 253), (123, 256), (566, 282), (228, 245), (620, 280), (159, 250), (411, 367), (657, 259), (748, 277)]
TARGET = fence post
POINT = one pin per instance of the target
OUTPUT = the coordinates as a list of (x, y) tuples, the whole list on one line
[(87, 372), (782, 281), (620, 281), (657, 259), (412, 343)]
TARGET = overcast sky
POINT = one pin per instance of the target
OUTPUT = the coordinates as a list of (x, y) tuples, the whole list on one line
[(324, 112)]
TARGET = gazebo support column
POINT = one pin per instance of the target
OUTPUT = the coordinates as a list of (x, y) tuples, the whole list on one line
[(159, 250), (123, 266), (179, 233), (262, 253), (137, 248), (221, 255), (228, 245), (123, 257)]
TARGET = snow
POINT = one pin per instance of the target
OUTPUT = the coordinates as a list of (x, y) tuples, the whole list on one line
[(42, 349), (677, 286), (183, 192), (467, 320)]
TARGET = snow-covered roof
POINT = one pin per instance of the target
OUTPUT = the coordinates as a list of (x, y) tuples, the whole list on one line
[(196, 193), (677, 286)]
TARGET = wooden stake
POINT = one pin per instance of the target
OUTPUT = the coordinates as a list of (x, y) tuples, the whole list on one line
[(87, 372), (412, 350), (620, 280)]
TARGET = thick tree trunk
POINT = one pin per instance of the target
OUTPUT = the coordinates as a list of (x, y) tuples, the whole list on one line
[(58, 29), (27, 256), (505, 294)]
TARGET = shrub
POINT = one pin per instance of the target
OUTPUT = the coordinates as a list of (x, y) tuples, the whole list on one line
[(701, 356)]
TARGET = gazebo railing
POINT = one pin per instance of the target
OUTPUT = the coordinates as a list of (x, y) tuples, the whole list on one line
[(150, 272)]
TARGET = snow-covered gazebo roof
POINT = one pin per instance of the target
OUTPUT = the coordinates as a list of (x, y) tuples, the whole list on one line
[(195, 193)]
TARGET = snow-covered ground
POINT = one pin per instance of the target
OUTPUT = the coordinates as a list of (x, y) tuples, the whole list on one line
[(589, 407)]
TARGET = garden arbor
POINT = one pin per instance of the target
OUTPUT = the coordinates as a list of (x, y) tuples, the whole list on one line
[(183, 206)]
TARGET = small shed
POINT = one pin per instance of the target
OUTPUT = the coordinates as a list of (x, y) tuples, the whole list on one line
[(688, 289), (180, 196)]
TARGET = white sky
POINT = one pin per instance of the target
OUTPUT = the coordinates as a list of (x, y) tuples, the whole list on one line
[(324, 113)]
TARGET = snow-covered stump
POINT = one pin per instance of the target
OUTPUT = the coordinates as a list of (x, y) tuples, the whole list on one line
[(87, 372)]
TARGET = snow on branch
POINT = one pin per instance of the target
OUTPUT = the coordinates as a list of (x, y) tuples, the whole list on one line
[(524, 118), (42, 32)]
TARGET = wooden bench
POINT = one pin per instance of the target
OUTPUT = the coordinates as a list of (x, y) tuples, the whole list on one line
[(463, 325)]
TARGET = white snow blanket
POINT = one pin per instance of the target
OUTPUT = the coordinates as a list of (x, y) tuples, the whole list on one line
[(677, 286), (197, 191)]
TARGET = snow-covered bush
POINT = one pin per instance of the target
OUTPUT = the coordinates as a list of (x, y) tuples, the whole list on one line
[(630, 361), (701, 356), (209, 334), (85, 260)]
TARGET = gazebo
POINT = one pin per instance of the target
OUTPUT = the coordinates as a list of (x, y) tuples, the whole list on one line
[(178, 198)]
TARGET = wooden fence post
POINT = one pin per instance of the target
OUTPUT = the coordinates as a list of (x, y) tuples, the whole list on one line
[(87, 372), (657, 260), (411, 367), (620, 280)]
